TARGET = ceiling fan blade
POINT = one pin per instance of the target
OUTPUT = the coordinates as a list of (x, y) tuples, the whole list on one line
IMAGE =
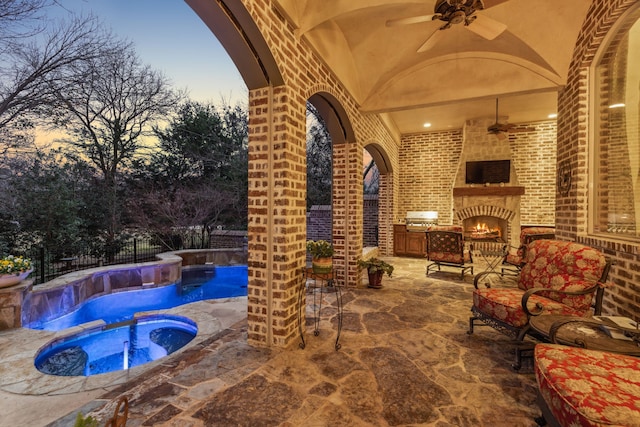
[(486, 27), (433, 40), (408, 21), (501, 136)]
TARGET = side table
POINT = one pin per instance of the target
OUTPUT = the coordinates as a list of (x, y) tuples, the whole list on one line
[(576, 332), (492, 257), (318, 284), (583, 332)]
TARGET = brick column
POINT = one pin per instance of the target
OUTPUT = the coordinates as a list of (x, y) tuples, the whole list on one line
[(347, 211), (386, 214), (277, 214)]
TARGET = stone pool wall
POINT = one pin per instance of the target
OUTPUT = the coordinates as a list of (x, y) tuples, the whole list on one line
[(20, 305)]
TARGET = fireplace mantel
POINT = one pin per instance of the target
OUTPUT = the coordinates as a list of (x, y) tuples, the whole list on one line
[(492, 190)]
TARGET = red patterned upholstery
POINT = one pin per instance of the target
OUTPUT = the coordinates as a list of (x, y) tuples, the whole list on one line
[(580, 387), (505, 305), (446, 247), (562, 267), (558, 278), (527, 235), (445, 228)]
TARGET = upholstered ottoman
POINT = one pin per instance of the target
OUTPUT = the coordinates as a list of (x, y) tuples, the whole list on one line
[(579, 387)]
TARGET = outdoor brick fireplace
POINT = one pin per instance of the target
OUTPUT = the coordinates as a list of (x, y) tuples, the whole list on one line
[(488, 212)]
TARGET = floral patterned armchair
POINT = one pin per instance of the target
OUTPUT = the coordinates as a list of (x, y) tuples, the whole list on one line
[(558, 277), (514, 259), (445, 246)]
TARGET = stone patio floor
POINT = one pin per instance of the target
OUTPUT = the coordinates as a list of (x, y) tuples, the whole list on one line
[(406, 359)]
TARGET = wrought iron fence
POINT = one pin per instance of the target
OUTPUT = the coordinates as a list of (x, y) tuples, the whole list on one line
[(49, 263)]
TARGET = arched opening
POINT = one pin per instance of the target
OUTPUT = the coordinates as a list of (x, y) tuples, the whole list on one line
[(377, 193), (319, 176), (371, 189), (327, 126)]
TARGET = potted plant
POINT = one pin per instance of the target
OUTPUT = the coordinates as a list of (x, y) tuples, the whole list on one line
[(376, 268), (321, 256), (13, 270)]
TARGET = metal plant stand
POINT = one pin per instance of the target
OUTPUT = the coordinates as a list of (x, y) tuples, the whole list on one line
[(318, 284)]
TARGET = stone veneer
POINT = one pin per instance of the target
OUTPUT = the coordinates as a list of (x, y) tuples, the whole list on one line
[(480, 145), (21, 304)]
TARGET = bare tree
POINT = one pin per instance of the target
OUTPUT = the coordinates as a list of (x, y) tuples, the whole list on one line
[(319, 159), (20, 18), (181, 215), (38, 59), (109, 109), (113, 105)]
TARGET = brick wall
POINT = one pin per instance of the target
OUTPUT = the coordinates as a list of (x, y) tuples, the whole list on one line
[(533, 154), (319, 222), (431, 161), (370, 220), (572, 209), (429, 165)]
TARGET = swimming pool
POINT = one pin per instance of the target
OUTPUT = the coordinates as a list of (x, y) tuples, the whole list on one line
[(115, 347), (197, 283)]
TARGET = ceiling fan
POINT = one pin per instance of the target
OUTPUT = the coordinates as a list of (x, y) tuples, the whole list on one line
[(499, 129), (457, 12)]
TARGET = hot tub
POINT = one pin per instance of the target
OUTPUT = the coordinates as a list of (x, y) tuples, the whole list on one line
[(115, 346)]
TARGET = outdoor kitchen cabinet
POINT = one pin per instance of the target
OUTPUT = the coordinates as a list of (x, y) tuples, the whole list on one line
[(408, 243)]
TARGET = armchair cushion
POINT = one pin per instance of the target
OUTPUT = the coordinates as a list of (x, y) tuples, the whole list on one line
[(527, 235), (445, 228), (588, 388), (562, 266), (504, 305)]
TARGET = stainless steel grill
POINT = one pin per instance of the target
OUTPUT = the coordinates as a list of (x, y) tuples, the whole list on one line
[(421, 220)]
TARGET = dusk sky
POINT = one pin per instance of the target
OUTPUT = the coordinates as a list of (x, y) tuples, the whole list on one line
[(170, 37)]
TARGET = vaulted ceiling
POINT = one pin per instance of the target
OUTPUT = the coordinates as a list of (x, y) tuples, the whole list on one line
[(518, 51)]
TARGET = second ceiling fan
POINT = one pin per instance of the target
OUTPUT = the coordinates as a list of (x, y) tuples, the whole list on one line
[(500, 129), (457, 12)]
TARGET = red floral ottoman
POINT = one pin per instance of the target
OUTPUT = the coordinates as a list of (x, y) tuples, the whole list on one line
[(580, 387)]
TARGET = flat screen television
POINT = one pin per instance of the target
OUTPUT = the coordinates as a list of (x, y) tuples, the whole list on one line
[(488, 171)]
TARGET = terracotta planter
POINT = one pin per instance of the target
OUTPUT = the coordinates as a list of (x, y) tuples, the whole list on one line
[(7, 280), (375, 279), (322, 265)]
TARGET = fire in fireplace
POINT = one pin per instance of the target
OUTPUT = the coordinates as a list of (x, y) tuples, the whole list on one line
[(485, 229)]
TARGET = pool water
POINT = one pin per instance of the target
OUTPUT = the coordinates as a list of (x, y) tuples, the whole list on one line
[(116, 347), (198, 283), (126, 340)]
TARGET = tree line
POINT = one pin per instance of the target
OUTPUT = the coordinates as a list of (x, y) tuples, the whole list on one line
[(137, 155)]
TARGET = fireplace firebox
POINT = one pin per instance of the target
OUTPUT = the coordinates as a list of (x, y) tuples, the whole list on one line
[(485, 229)]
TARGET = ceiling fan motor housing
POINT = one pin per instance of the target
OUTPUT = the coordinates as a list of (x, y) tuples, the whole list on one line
[(456, 11)]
